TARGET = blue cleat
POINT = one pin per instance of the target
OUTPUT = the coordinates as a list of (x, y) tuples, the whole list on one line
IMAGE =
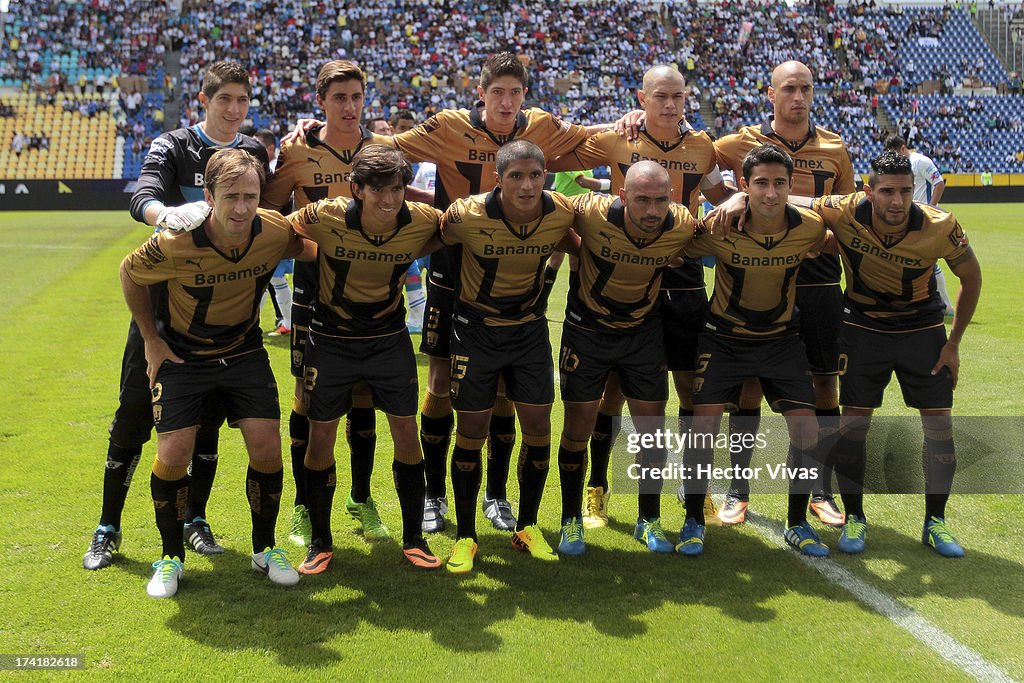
[(854, 536), (803, 538), (691, 539), (650, 533), (572, 538), (936, 535)]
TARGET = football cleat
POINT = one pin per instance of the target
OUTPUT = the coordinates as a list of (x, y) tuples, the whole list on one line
[(650, 534), (166, 575), (825, 509), (710, 511), (461, 560), (434, 510), (200, 537), (273, 562), (318, 557), (571, 542), (803, 538), (854, 536), (105, 540), (281, 331), (530, 540), (366, 514), (595, 507), (499, 512), (419, 555), (691, 539), (936, 535), (301, 532), (733, 510)]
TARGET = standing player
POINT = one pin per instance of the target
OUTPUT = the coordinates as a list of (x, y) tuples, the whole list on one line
[(464, 143), (612, 325), (499, 331), (821, 166), (752, 332), (313, 166), (928, 188), (689, 157), (893, 322), (195, 298), (358, 335), (172, 174)]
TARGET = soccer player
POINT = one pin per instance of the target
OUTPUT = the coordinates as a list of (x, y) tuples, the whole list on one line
[(172, 174), (463, 143), (928, 188), (194, 297), (893, 322), (690, 158), (752, 332), (313, 166), (612, 325), (821, 166), (358, 335), (499, 331)]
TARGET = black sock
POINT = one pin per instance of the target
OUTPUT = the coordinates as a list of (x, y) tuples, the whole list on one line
[(685, 419), (828, 432), (202, 470), (410, 485), (117, 477), (534, 461), (501, 439), (799, 489), (466, 477), (361, 433), (697, 484), (600, 450), (435, 438), (649, 498), (939, 467), (851, 462), (264, 493), (170, 498), (572, 466), (320, 485), (745, 422), (298, 430)]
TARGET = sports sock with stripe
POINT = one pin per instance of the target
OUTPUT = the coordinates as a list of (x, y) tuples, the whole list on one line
[(534, 460), (466, 478), (410, 485), (436, 423), (168, 485), (361, 433), (117, 477), (263, 490), (501, 439), (572, 466), (320, 485)]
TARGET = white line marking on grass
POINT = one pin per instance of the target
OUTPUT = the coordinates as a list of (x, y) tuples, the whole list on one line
[(945, 645), (46, 246)]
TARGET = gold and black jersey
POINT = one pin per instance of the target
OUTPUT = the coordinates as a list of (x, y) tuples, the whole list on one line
[(314, 170), (616, 285), (687, 158), (755, 276), (889, 283), (361, 274), (207, 302), (501, 265), (821, 166), (465, 150)]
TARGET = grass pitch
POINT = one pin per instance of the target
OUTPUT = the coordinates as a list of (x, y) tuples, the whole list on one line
[(748, 609)]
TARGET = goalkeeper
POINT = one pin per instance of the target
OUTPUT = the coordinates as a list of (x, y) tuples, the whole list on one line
[(169, 195)]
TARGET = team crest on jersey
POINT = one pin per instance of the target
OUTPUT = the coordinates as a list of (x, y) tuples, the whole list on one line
[(453, 214), (309, 214), (831, 202), (431, 124), (958, 237), (559, 123), (152, 254)]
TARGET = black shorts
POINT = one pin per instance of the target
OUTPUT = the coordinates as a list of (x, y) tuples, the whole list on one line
[(821, 311), (587, 357), (437, 322), (683, 312), (868, 359), (133, 422), (244, 385), (520, 354), (334, 366), (725, 363), (304, 280)]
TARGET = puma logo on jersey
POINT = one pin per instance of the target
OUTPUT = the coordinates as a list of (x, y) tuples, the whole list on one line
[(489, 234), (315, 161), (607, 237), (471, 138), (197, 262)]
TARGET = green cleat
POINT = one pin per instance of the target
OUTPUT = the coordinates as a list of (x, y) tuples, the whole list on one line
[(301, 532), (366, 514)]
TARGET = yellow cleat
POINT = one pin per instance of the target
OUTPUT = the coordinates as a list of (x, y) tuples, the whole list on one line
[(595, 507), (530, 540), (461, 561)]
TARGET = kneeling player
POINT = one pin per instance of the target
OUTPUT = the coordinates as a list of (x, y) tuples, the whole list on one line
[(202, 336), (358, 334), (499, 330), (612, 325), (752, 332)]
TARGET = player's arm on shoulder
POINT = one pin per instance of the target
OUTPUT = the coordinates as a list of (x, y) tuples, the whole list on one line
[(159, 169), (434, 243), (714, 189), (570, 244), (148, 257), (277, 191), (451, 223), (725, 217), (415, 194), (593, 184), (830, 208), (302, 126)]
